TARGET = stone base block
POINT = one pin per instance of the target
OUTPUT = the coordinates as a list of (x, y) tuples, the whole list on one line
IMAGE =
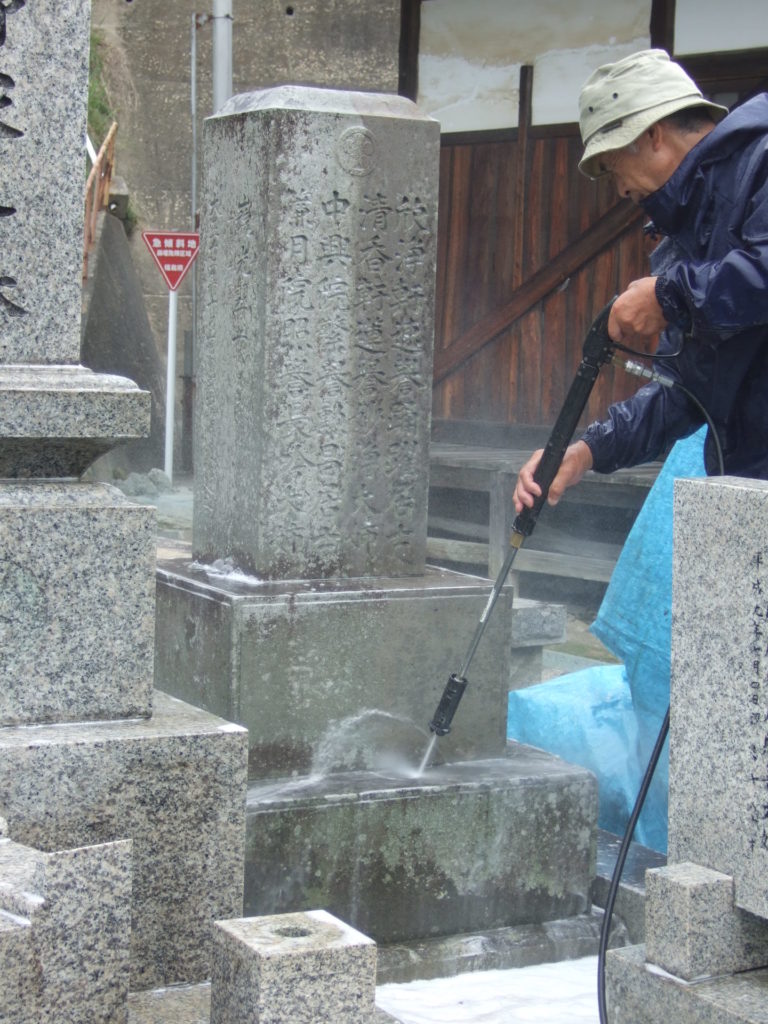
[(638, 994), (76, 603), (307, 968), (328, 674), (693, 929), (55, 420), (65, 925), (175, 785), (468, 846)]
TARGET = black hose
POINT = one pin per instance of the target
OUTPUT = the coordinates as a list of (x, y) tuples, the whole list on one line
[(618, 869)]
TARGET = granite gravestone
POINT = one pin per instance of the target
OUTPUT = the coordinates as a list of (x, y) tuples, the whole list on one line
[(316, 330), (718, 804), (55, 415), (77, 610), (707, 911)]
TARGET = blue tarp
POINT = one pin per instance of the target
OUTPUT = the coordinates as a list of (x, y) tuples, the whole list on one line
[(607, 718)]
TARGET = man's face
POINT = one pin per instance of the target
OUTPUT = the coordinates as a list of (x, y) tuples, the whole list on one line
[(641, 168)]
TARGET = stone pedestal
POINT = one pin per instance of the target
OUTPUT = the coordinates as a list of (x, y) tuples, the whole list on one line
[(315, 338), (307, 968), (467, 847), (330, 675)]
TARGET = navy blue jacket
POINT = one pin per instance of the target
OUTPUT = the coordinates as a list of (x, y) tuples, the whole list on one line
[(712, 286)]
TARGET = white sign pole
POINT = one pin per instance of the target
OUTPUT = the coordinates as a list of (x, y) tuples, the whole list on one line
[(170, 382)]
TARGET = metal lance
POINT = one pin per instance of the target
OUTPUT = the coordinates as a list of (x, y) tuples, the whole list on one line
[(597, 351)]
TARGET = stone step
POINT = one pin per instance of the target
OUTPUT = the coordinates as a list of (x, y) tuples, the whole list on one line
[(467, 846)]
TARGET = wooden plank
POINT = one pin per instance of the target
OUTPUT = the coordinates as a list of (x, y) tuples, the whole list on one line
[(550, 563), (619, 219)]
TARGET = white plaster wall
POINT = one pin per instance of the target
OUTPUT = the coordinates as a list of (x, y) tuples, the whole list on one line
[(704, 26), (471, 53)]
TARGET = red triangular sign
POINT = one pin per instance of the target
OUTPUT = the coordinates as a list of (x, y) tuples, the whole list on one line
[(174, 253)]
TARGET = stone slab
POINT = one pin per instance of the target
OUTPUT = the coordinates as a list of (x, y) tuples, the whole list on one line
[(334, 674), (315, 337), (76, 604), (76, 909), (639, 994), (693, 929), (719, 683), (175, 785), (42, 161), (307, 968), (467, 846), (496, 949), (55, 420)]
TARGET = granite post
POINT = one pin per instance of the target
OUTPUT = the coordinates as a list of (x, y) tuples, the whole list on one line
[(316, 330), (307, 968), (707, 911)]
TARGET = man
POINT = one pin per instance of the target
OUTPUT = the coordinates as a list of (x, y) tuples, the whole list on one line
[(702, 177)]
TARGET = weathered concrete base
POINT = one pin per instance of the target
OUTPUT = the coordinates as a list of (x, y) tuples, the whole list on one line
[(638, 993), (175, 785), (468, 846), (327, 674)]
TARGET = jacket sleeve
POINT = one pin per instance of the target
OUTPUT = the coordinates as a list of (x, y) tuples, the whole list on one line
[(717, 298)]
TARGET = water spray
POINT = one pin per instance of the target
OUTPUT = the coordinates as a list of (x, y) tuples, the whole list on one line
[(598, 349)]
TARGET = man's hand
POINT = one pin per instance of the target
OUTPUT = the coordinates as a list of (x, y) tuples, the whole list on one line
[(636, 316), (576, 461)]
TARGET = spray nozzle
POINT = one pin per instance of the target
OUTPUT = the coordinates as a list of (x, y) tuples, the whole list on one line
[(446, 709)]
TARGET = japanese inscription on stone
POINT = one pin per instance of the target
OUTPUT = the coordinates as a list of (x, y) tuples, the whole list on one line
[(322, 239), (8, 308)]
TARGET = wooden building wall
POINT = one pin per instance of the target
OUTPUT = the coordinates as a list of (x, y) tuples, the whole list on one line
[(529, 252)]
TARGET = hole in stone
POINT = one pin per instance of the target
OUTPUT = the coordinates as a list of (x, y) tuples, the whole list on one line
[(293, 931), (289, 11)]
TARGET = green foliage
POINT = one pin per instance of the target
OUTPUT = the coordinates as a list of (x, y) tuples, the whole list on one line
[(99, 114)]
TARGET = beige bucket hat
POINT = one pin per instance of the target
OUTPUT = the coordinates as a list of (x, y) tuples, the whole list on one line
[(619, 101)]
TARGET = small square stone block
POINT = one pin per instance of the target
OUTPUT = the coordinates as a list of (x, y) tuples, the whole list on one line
[(692, 927), (306, 968)]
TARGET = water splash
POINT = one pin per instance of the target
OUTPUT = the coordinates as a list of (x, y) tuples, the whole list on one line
[(374, 740)]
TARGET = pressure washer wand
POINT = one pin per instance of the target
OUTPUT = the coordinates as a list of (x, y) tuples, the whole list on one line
[(598, 350)]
